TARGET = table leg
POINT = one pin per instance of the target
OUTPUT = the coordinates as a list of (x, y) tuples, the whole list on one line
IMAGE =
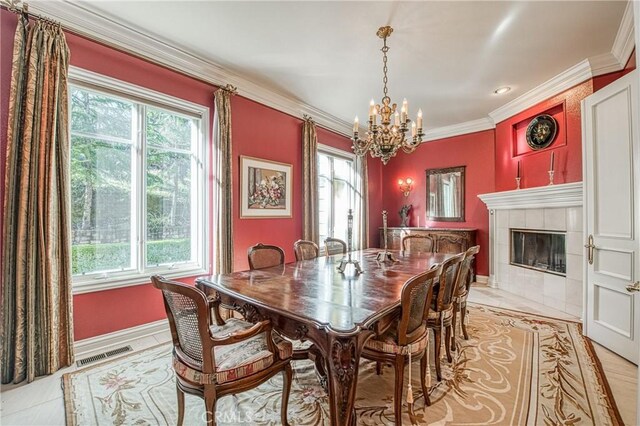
[(343, 360)]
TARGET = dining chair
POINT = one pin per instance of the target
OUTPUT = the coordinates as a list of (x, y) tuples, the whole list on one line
[(441, 312), (305, 250), (418, 243), (463, 285), (211, 360), (407, 338), (334, 246), (265, 256)]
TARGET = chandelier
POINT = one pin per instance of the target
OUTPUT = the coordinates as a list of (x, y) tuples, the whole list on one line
[(383, 140)]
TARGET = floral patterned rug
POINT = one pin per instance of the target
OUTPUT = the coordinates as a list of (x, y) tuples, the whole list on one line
[(515, 370)]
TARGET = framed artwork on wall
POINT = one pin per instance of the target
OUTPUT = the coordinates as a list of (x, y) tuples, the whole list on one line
[(265, 188)]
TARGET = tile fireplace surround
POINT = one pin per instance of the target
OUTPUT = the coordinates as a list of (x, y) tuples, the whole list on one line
[(549, 208)]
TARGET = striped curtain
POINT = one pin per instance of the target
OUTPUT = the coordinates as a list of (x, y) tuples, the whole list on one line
[(223, 235), (311, 219), (37, 322)]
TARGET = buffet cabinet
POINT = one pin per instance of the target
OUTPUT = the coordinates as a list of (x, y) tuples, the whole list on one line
[(447, 240)]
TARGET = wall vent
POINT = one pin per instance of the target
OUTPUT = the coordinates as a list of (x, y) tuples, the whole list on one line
[(108, 354)]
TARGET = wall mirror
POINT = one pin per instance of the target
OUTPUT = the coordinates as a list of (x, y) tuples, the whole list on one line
[(445, 194)]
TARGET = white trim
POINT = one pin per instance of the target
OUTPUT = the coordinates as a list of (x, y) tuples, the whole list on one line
[(561, 82), (336, 151), (482, 279), (459, 129), (98, 282), (101, 28), (604, 64), (563, 195), (118, 338), (624, 43)]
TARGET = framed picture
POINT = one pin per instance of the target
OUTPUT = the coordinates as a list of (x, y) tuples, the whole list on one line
[(265, 188)]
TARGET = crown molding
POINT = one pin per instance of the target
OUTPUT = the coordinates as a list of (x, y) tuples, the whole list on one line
[(561, 82), (624, 43), (90, 24), (604, 64), (550, 196), (459, 129)]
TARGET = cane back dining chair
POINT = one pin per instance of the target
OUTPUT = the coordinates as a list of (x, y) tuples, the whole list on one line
[(418, 243), (463, 286), (265, 256), (211, 360), (334, 246), (305, 250), (407, 337), (441, 312)]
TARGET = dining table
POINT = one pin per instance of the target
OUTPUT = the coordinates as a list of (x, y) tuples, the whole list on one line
[(310, 300)]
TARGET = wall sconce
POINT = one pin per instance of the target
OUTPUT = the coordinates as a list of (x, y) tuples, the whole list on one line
[(406, 186)]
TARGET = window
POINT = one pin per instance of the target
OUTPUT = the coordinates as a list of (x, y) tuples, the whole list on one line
[(337, 193), (137, 184)]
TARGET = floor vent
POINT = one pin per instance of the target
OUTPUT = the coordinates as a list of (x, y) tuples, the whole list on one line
[(104, 355)]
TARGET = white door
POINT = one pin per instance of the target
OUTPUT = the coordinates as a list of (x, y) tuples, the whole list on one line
[(612, 206)]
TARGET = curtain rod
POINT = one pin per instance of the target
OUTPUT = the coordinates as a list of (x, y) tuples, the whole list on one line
[(22, 8)]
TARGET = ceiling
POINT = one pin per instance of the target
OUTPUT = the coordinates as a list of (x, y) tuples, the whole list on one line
[(446, 57)]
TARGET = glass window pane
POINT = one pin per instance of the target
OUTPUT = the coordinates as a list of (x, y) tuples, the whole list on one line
[(168, 130), (168, 207), (342, 169), (100, 205), (341, 206), (324, 208), (99, 114)]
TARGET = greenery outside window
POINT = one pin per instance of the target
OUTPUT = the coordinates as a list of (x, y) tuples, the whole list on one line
[(337, 193), (138, 196)]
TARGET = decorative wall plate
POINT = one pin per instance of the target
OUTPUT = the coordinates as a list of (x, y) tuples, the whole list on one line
[(541, 131)]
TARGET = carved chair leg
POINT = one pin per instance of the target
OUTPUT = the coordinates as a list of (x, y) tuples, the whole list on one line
[(424, 370), (452, 343), (397, 399), (436, 352), (379, 367), (210, 400), (447, 344), (180, 405), (463, 319), (287, 375)]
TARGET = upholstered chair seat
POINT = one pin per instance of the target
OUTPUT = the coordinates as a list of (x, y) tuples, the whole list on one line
[(388, 343), (214, 359)]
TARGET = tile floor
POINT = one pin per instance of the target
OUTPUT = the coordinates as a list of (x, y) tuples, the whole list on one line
[(41, 402)]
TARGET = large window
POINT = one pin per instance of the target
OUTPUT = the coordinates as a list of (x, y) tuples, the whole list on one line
[(137, 184), (337, 193)]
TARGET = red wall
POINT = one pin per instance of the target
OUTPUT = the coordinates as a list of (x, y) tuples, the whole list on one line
[(535, 164), (257, 131), (475, 151)]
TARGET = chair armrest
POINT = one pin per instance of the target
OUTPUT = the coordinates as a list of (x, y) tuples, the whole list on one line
[(260, 327), (214, 306)]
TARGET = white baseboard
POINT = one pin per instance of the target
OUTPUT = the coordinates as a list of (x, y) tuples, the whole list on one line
[(119, 338), (482, 279)]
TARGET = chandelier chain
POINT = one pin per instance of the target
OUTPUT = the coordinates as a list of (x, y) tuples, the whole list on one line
[(385, 69)]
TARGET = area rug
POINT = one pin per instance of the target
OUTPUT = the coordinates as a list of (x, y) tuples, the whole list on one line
[(515, 369)]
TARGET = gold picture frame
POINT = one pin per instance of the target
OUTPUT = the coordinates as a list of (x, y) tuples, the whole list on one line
[(266, 188)]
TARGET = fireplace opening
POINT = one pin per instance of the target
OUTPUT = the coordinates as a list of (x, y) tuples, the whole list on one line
[(541, 250)]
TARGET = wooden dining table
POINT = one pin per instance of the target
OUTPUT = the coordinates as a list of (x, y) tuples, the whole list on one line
[(311, 300)]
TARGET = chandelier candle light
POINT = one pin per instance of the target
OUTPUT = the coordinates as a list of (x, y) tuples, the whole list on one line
[(383, 140)]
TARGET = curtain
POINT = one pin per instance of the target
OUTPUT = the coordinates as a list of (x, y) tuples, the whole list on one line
[(363, 207), (223, 235), (37, 323), (311, 221)]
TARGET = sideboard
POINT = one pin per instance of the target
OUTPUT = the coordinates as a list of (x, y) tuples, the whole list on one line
[(447, 240)]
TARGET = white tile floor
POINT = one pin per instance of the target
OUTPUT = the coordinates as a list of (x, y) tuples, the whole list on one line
[(41, 402)]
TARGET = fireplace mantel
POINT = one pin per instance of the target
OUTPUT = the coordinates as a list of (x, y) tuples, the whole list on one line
[(563, 195)]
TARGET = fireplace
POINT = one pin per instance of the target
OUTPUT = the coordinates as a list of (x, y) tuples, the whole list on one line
[(540, 250)]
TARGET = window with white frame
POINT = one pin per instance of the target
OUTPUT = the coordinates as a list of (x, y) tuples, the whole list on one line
[(138, 179), (337, 193)]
